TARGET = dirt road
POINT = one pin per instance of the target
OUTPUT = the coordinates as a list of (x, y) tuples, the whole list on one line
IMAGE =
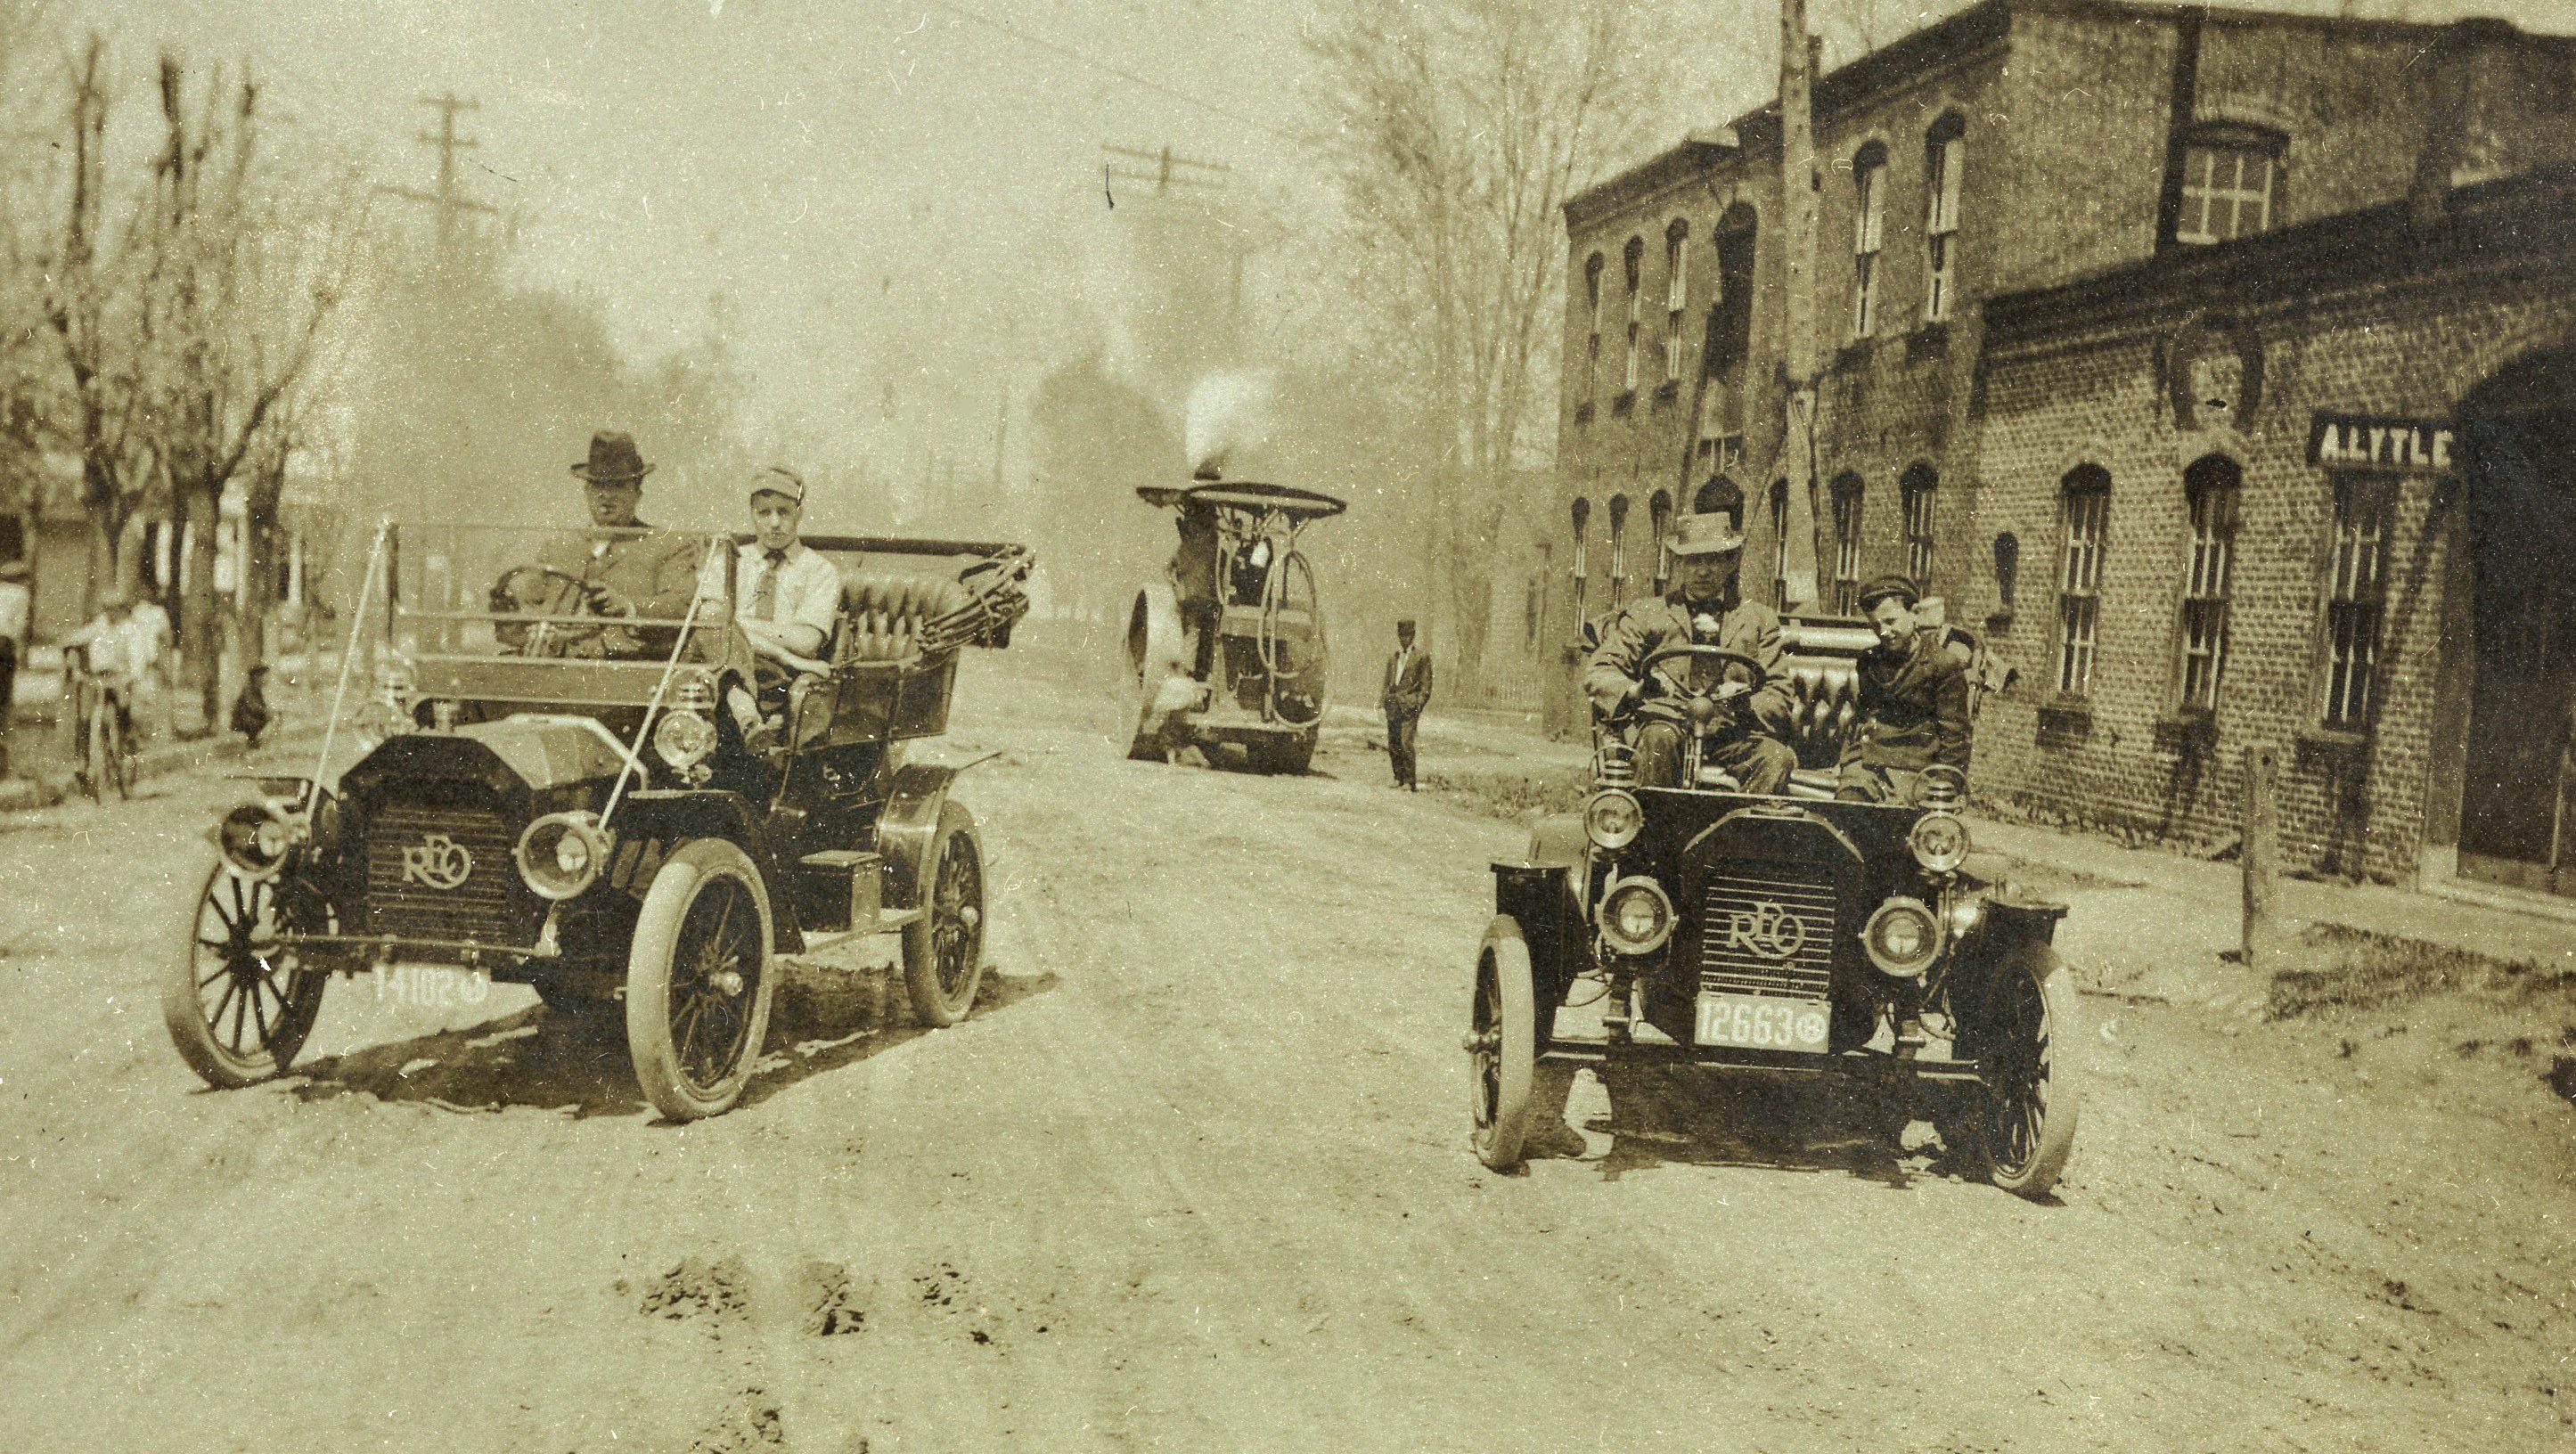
[(1195, 1178)]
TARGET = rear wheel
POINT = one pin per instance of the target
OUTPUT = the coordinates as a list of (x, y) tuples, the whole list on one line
[(1502, 1045), (699, 980), (2020, 1125), (943, 951), (238, 1002)]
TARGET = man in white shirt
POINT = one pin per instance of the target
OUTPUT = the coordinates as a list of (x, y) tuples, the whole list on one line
[(107, 646), (786, 598)]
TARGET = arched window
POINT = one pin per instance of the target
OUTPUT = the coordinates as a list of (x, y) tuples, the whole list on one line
[(1780, 544), (1916, 491), (2210, 489), (1580, 556), (1636, 264), (1618, 550), (1720, 496), (1945, 152), (1592, 318), (2086, 497), (1659, 518), (1676, 295), (1846, 597), (1869, 226)]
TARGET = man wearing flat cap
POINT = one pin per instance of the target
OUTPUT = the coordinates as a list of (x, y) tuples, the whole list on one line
[(1913, 709), (1747, 738), (1408, 691), (786, 597), (620, 566)]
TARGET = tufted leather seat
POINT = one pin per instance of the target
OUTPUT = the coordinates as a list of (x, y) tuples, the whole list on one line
[(882, 612), (1823, 682)]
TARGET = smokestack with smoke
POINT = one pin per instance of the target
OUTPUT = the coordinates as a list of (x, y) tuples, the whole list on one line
[(1228, 416)]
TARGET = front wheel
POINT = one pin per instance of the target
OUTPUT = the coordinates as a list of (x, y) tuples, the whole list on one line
[(699, 980), (2020, 1128), (238, 1001), (1502, 1045), (943, 950)]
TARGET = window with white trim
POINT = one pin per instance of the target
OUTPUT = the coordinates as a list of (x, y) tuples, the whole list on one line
[(1945, 151), (1592, 313), (1846, 545), (2087, 513), (1618, 551), (1917, 492), (2356, 599), (2231, 177), (1869, 222), (1659, 520), (2209, 494), (1636, 271), (1580, 557), (1676, 295)]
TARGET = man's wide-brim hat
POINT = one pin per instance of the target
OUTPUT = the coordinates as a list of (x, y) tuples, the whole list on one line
[(1703, 535), (613, 459)]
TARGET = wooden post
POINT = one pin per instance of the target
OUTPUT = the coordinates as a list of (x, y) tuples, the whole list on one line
[(1798, 201), (2260, 853)]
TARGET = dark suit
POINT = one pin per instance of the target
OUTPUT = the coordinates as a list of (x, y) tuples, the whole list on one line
[(1913, 714), (656, 573), (1408, 689), (1748, 739)]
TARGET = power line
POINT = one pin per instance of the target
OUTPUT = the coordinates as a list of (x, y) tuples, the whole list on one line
[(1081, 58)]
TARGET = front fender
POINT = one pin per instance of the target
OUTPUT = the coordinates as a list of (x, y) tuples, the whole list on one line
[(668, 816), (907, 825)]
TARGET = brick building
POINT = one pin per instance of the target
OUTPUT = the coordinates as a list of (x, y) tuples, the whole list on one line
[(2068, 240)]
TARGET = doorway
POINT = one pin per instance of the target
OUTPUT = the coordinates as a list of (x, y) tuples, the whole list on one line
[(2518, 800)]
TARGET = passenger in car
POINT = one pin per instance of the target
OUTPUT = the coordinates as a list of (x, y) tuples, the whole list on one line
[(1913, 709), (786, 599), (1747, 737)]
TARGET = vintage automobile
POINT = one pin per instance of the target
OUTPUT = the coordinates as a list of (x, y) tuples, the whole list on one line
[(565, 800), (1788, 935), (1229, 648)]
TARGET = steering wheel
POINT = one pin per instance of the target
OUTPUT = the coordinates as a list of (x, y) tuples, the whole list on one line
[(567, 591), (1703, 705)]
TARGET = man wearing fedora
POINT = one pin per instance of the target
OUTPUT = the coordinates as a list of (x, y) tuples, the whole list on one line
[(1913, 702), (1746, 738), (1408, 691), (624, 566)]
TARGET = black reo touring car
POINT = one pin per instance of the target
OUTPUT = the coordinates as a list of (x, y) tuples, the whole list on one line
[(572, 801), (1783, 935)]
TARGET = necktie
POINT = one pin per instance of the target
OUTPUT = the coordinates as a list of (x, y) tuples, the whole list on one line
[(764, 592)]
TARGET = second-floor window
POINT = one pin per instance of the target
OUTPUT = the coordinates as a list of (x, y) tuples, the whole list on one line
[(1636, 278), (1592, 318), (1917, 492), (2231, 180), (2209, 492), (2079, 577), (1869, 221), (1846, 545), (1676, 295), (2356, 595), (1945, 149)]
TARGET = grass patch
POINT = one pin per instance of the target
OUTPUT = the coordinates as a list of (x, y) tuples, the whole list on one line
[(1514, 797), (2351, 969)]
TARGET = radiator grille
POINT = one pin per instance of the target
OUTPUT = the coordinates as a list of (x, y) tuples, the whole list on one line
[(415, 906), (1767, 929)]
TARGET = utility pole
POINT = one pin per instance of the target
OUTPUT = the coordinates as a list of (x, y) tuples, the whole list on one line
[(1798, 184), (448, 199), (1175, 178)]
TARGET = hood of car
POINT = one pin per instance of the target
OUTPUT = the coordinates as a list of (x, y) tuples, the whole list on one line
[(526, 753)]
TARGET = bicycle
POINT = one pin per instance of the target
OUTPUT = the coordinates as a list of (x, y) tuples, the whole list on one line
[(102, 748)]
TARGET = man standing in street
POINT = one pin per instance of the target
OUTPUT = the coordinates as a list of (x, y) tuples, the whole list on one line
[(1408, 690), (1746, 737), (1913, 702), (15, 604), (786, 599)]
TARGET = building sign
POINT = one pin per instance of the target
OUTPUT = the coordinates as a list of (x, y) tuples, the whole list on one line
[(2375, 442)]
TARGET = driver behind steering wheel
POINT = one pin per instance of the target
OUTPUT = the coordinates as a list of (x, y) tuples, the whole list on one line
[(1747, 736), (616, 571)]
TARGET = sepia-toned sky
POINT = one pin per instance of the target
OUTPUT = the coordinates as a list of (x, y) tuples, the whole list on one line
[(875, 188)]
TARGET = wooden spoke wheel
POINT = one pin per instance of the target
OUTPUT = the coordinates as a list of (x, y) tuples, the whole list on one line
[(943, 951), (239, 1003), (699, 980), (2022, 1124), (1502, 1045)]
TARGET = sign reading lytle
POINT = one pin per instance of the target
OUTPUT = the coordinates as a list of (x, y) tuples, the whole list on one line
[(2377, 442)]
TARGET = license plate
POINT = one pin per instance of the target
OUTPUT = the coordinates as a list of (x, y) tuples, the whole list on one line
[(1761, 1022)]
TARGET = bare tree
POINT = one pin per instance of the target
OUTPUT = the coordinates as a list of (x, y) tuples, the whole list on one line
[(1456, 132), (242, 280)]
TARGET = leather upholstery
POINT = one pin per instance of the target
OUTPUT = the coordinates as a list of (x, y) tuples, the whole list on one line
[(882, 612), (1824, 687)]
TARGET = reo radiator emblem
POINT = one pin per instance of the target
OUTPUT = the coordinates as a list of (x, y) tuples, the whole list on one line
[(1765, 929), (437, 861)]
